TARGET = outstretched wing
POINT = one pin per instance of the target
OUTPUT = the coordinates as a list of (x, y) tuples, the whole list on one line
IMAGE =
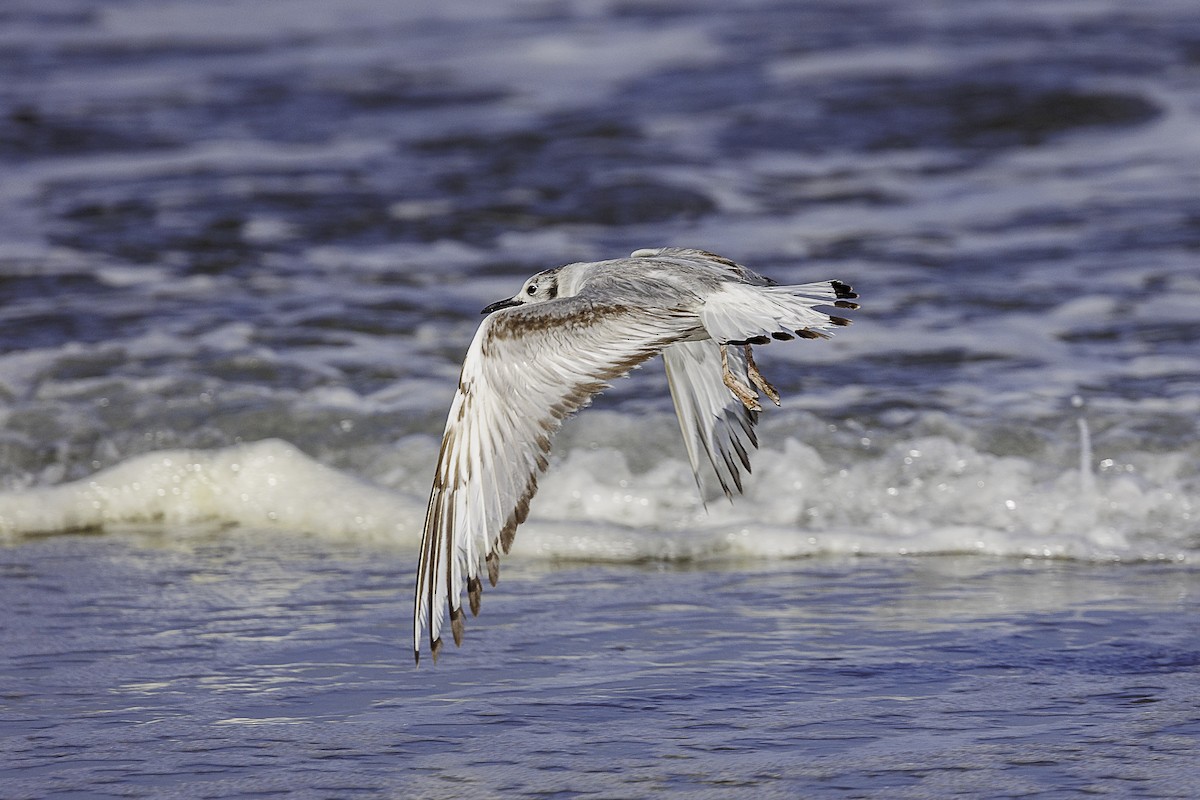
[(714, 422), (526, 370), (738, 313), (752, 309)]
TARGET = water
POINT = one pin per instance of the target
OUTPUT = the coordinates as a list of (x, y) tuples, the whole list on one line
[(238, 667), (243, 248)]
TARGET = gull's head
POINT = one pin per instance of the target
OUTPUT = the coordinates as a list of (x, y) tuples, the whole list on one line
[(538, 289)]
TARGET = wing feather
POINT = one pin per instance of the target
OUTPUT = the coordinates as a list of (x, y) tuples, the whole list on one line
[(715, 424), (738, 313), (526, 370)]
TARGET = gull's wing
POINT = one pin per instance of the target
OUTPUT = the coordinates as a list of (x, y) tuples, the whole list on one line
[(527, 368), (714, 422), (738, 313), (752, 309), (702, 258)]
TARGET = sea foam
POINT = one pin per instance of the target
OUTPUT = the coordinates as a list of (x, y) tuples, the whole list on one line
[(269, 484), (921, 496)]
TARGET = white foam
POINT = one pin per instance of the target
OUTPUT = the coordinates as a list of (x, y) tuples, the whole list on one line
[(269, 484), (930, 495), (925, 496)]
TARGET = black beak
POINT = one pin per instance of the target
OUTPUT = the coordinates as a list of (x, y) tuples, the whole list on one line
[(499, 304)]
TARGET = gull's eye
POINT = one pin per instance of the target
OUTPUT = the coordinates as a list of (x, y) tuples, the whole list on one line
[(531, 290)]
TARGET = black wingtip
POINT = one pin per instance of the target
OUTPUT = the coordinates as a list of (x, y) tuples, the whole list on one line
[(759, 340), (457, 625), (474, 594), (843, 290)]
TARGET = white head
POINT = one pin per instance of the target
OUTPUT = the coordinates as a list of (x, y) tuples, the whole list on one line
[(538, 289)]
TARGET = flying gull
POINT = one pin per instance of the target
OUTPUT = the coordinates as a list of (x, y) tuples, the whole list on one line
[(545, 352)]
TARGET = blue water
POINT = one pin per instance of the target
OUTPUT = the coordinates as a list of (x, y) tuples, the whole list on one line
[(225, 667), (243, 248)]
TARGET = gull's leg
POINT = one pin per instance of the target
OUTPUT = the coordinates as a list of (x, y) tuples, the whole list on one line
[(757, 379), (740, 390)]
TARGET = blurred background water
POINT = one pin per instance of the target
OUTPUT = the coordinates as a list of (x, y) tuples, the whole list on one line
[(243, 247)]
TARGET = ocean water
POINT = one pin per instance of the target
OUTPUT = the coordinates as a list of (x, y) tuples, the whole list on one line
[(243, 247)]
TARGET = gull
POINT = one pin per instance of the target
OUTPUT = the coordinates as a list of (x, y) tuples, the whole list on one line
[(545, 352)]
